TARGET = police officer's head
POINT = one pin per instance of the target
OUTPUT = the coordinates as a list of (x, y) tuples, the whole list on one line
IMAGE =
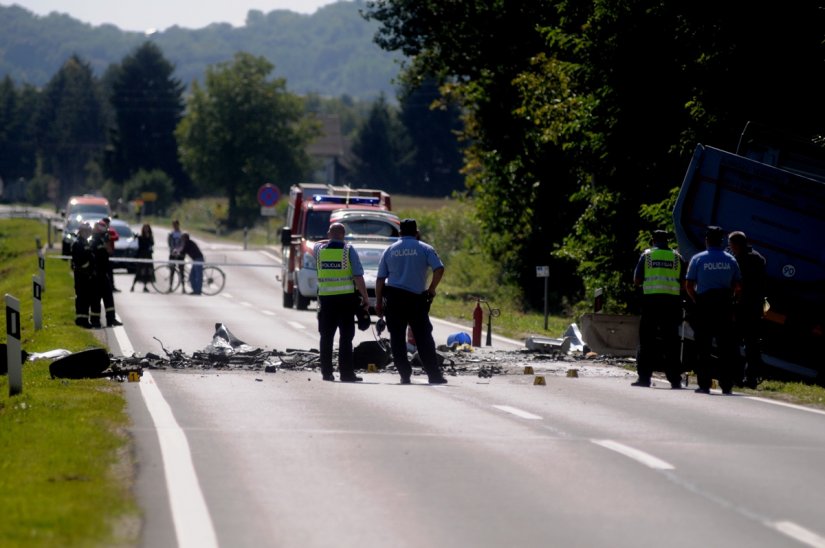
[(714, 236), (660, 238), (336, 231), (84, 230), (409, 227), (737, 241)]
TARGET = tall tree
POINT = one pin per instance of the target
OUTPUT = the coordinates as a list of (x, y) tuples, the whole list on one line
[(379, 150), (433, 126), (18, 151), (243, 130), (148, 105), (71, 127)]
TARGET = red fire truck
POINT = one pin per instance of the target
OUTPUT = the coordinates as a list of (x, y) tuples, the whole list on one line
[(307, 221)]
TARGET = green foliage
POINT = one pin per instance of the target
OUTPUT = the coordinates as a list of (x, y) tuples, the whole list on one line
[(379, 151), (148, 105), (155, 181), (242, 130), (330, 52), (435, 158), (70, 126), (658, 216), (18, 108)]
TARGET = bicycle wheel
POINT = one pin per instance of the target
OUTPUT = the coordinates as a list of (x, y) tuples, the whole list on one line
[(167, 279), (213, 280)]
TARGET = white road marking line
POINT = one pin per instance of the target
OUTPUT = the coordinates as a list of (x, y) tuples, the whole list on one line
[(517, 412), (244, 303), (635, 454), (226, 295), (783, 404), (268, 312), (193, 524), (297, 325), (798, 533)]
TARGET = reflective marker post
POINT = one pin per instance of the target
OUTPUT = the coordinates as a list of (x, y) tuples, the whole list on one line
[(41, 264), (37, 289), (13, 345), (544, 272)]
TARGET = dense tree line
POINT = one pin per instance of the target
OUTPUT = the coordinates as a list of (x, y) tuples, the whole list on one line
[(580, 114), (329, 52), (135, 132)]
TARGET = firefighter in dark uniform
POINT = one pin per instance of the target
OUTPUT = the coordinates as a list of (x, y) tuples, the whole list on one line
[(102, 287), (713, 280), (84, 275), (401, 288), (660, 273), (340, 283), (749, 307)]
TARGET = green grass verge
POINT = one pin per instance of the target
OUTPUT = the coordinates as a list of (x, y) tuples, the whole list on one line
[(65, 468)]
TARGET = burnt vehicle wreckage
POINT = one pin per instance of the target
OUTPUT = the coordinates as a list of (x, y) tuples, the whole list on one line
[(228, 353)]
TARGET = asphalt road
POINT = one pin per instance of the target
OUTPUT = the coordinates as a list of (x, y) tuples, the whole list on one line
[(253, 459)]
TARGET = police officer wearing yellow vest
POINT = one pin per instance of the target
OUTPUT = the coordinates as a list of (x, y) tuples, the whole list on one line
[(660, 272), (340, 275)]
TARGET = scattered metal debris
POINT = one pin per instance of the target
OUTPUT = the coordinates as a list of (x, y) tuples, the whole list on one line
[(227, 352)]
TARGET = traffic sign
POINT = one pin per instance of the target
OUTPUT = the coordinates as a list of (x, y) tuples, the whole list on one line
[(268, 195)]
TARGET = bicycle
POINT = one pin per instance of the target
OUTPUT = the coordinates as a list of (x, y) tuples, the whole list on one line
[(168, 278)]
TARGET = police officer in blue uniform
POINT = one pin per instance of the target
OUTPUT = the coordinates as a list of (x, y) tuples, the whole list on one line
[(660, 273), (713, 280), (402, 292), (340, 274)]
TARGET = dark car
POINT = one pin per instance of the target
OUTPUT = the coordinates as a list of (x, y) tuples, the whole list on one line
[(126, 246)]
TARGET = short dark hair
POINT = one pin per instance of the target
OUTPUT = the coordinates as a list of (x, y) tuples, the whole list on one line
[(409, 227), (738, 237), (714, 235), (660, 236)]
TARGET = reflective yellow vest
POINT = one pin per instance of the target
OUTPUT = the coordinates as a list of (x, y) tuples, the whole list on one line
[(661, 272), (334, 271)]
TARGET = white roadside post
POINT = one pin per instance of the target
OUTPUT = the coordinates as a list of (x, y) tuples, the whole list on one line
[(37, 290), (544, 272), (41, 265), (13, 345)]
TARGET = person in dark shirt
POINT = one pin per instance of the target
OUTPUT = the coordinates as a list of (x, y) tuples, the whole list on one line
[(749, 307), (190, 248)]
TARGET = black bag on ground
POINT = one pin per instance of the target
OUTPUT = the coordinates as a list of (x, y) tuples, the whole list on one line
[(86, 364), (371, 352)]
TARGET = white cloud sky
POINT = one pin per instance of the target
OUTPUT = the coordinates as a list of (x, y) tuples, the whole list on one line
[(142, 15)]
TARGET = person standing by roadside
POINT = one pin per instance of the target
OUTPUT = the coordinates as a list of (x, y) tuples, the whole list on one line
[(110, 246), (401, 291), (713, 280), (174, 242), (190, 248), (660, 273), (99, 244), (145, 272), (83, 266), (749, 307), (340, 282)]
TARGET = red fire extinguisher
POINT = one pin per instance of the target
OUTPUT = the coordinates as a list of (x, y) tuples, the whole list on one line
[(478, 316)]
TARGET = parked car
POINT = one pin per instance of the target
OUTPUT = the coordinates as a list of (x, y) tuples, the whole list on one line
[(126, 246), (369, 252)]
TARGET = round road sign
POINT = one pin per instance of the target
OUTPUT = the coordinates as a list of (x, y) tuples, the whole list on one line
[(268, 195)]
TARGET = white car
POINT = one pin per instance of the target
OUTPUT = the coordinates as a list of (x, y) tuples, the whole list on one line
[(369, 251)]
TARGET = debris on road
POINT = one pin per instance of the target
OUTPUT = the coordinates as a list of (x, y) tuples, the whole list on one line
[(227, 352)]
